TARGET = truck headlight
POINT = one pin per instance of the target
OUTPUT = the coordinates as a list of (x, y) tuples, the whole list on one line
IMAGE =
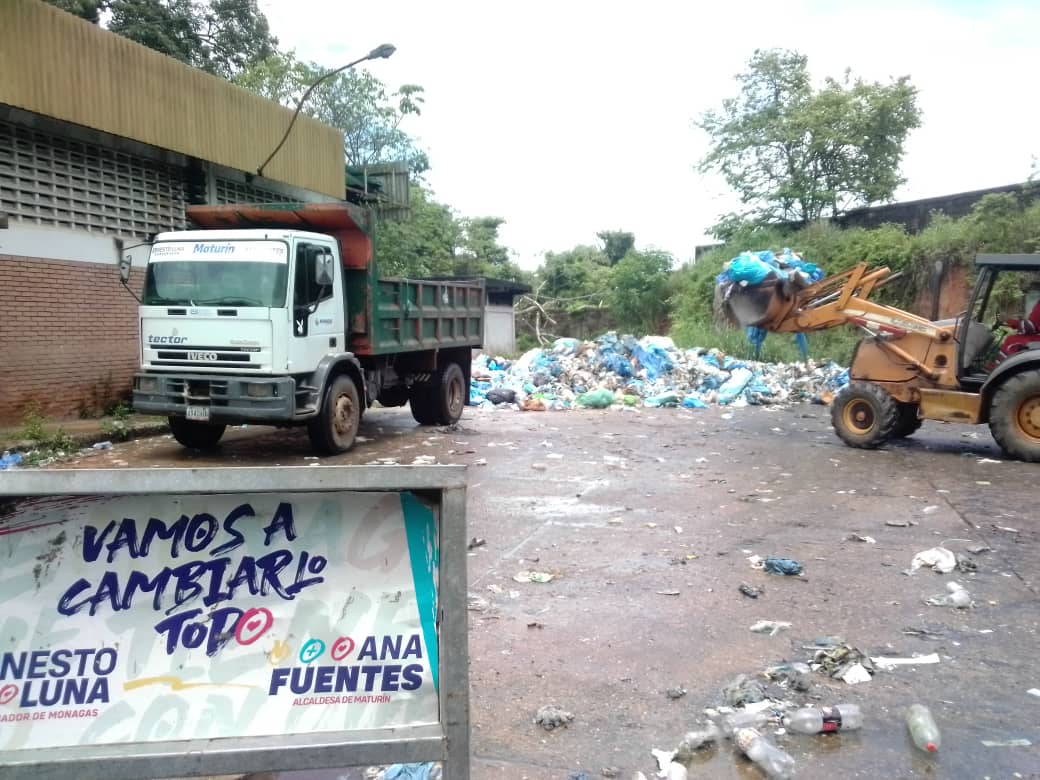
[(148, 384), (259, 390)]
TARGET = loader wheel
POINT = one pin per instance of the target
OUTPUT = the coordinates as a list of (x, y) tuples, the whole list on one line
[(864, 415), (908, 422), (196, 435), (1014, 416), (335, 428)]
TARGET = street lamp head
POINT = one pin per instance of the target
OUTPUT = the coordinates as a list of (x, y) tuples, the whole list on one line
[(382, 52)]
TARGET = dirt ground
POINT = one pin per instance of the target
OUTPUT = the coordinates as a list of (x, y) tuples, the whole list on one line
[(647, 519)]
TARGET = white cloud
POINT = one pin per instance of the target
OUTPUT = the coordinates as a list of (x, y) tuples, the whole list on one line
[(570, 117)]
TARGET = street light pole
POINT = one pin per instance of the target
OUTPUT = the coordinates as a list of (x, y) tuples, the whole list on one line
[(378, 53)]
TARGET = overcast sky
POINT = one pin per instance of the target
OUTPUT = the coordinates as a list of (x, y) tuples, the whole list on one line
[(570, 117)]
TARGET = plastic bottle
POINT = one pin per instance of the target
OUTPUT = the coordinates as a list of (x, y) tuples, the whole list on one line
[(824, 720), (923, 730), (768, 757), (743, 720)]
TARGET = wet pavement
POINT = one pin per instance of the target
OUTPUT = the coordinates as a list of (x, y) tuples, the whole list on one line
[(646, 518)]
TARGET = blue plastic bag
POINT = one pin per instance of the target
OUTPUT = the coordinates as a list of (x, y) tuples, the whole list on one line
[(654, 359), (782, 566), (735, 385), (693, 402)]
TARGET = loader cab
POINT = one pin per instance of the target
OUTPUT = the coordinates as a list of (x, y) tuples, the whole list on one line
[(1000, 322)]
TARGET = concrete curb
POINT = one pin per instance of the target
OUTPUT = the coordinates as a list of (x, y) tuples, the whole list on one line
[(84, 439)]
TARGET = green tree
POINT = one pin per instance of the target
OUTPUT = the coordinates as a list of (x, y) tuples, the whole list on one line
[(423, 245), (356, 102), (616, 244), (576, 278), (795, 153), (222, 37), (84, 9), (640, 291), (481, 254)]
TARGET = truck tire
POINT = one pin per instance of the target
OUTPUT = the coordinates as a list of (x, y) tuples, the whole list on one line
[(196, 435), (1014, 416), (443, 400), (908, 422), (334, 430), (864, 415)]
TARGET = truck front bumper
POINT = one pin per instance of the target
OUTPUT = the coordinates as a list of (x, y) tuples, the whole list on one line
[(228, 398)]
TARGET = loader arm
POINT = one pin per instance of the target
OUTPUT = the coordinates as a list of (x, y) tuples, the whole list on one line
[(844, 299)]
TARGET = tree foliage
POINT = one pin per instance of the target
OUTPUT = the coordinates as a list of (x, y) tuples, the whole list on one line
[(640, 291), (425, 244), (616, 244), (794, 153), (222, 37), (356, 102)]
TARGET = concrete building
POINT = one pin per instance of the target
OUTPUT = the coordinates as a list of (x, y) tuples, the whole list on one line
[(500, 317), (103, 143)]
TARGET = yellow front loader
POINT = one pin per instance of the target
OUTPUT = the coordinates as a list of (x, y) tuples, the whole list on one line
[(971, 369)]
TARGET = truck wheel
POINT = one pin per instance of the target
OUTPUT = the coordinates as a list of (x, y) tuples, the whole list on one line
[(908, 422), (864, 415), (335, 428), (441, 402), (196, 435), (1014, 416)]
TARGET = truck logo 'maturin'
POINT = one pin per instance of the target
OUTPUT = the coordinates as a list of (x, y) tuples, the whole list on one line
[(213, 249)]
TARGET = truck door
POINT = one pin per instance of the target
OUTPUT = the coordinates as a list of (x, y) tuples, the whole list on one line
[(317, 311)]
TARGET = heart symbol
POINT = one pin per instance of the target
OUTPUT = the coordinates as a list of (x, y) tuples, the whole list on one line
[(252, 624), (8, 693)]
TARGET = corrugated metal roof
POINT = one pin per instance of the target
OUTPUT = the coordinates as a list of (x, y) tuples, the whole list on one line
[(53, 63)]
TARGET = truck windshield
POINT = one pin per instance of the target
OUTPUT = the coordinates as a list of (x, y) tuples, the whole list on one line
[(244, 273)]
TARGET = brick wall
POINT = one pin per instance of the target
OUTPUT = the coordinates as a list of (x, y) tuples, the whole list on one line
[(67, 329)]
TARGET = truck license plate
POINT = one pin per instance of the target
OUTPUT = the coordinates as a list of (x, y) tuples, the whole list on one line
[(197, 413)]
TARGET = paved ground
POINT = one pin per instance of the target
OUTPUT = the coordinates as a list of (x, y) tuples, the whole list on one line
[(625, 506)]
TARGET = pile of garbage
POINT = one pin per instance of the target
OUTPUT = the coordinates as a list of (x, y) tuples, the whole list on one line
[(650, 371)]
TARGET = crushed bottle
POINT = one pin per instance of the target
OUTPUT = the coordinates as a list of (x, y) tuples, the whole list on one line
[(923, 730), (776, 763), (743, 720), (824, 720)]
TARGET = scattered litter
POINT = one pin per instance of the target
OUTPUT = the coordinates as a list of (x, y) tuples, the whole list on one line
[(966, 565), (480, 462), (796, 676), (678, 529), (1006, 743), (693, 741), (550, 717), (103, 445), (615, 521), (983, 482), (782, 566), (667, 593), (956, 597), (930, 509), (424, 771), (1034, 692), (1005, 529), (10, 460), (610, 771), (675, 693), (743, 689), (884, 662), (475, 603), (535, 624), (857, 673), (858, 538), (579, 776), (982, 548), (774, 761), (987, 460), (539, 466), (664, 758), (923, 730), (424, 460), (937, 558), (533, 576), (650, 525), (836, 658), (771, 627), (898, 523), (476, 542), (751, 591)]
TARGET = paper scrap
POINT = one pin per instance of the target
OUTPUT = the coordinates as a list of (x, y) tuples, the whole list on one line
[(884, 662)]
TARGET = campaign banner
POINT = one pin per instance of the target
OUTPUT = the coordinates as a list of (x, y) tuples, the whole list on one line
[(172, 617)]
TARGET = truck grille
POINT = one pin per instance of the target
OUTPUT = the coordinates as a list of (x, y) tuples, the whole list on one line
[(220, 357), (193, 391)]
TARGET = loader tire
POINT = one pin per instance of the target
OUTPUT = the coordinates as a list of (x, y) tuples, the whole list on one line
[(908, 422), (864, 415), (1014, 416)]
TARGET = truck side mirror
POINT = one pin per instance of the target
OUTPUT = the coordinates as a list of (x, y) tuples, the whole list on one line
[(323, 268)]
